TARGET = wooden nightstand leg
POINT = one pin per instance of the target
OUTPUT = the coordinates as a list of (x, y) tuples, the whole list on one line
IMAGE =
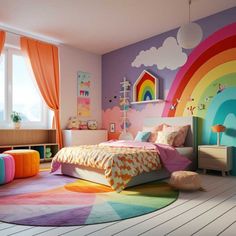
[(223, 173), (204, 171)]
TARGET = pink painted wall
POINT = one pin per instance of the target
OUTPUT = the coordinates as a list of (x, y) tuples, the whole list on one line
[(73, 60), (114, 115)]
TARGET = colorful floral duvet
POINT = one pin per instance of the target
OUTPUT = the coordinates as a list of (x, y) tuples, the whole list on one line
[(120, 163)]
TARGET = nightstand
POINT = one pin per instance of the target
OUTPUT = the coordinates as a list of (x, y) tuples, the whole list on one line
[(212, 157)]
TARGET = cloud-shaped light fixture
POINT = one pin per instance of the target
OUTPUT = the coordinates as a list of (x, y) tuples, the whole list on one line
[(189, 35)]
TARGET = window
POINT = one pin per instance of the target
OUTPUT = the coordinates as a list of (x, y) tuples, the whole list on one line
[(19, 92)]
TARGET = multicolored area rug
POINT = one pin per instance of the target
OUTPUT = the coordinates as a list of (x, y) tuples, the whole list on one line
[(57, 200)]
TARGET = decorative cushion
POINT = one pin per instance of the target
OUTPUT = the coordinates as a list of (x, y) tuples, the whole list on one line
[(165, 137), (26, 162), (142, 136), (181, 136), (153, 136), (185, 180), (7, 168)]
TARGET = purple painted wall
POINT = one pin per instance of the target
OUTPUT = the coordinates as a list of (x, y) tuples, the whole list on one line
[(219, 109), (117, 64)]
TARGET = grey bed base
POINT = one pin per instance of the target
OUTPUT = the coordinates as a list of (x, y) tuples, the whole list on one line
[(97, 175)]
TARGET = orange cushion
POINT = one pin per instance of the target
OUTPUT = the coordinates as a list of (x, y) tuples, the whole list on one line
[(26, 162)]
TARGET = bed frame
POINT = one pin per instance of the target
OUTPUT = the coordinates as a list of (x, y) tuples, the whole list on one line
[(189, 150)]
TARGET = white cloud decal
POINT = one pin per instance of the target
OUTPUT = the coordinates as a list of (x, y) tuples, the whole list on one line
[(169, 55), (147, 58)]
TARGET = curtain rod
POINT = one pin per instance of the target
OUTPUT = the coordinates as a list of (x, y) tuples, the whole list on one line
[(22, 33)]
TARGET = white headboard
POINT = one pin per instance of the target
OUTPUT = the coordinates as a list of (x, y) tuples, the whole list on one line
[(191, 139)]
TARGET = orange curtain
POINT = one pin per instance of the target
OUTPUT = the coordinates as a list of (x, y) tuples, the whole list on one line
[(2, 40), (44, 61)]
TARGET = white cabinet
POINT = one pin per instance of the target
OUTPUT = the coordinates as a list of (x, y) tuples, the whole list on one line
[(83, 137)]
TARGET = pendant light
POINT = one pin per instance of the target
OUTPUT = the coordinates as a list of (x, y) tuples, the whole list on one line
[(189, 35)]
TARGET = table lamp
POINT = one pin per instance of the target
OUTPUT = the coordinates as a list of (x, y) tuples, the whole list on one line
[(218, 129)]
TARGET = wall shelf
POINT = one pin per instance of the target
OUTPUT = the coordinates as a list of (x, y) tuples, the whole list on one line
[(36, 139), (149, 101), (125, 105)]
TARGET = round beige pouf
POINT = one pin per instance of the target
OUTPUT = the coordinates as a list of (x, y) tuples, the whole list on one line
[(185, 180)]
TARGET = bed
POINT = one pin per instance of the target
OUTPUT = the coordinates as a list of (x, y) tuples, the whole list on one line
[(189, 150)]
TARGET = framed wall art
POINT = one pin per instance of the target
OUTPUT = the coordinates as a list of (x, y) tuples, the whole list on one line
[(146, 88), (83, 94), (112, 128)]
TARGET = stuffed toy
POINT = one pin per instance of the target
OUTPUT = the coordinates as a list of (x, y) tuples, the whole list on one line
[(92, 124), (83, 125), (73, 123), (48, 152)]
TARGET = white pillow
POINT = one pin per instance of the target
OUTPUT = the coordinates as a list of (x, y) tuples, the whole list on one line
[(166, 137)]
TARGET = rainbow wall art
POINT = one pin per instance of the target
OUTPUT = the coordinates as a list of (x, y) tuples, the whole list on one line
[(206, 85), (144, 89)]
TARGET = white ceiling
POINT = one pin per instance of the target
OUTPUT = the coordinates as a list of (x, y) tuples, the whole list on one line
[(100, 26)]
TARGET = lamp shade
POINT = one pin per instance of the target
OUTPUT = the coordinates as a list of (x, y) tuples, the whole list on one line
[(218, 128), (189, 35)]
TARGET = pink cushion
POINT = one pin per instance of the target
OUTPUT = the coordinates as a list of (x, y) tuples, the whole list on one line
[(153, 136), (180, 137), (7, 168)]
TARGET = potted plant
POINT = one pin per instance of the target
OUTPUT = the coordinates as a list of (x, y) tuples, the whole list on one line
[(16, 119)]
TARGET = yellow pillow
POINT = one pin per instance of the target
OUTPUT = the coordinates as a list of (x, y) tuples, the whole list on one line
[(166, 137)]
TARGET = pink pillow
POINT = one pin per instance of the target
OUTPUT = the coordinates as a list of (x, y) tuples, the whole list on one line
[(181, 136), (152, 138)]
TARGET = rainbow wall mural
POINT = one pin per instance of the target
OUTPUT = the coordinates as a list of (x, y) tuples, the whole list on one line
[(144, 88), (207, 84)]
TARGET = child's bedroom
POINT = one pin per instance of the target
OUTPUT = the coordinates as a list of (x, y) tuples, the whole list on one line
[(117, 117)]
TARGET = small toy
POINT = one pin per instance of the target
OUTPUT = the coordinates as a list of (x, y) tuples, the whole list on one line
[(48, 152), (73, 123), (92, 124), (83, 125)]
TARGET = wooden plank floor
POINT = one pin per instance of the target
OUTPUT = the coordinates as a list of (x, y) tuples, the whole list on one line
[(212, 212)]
